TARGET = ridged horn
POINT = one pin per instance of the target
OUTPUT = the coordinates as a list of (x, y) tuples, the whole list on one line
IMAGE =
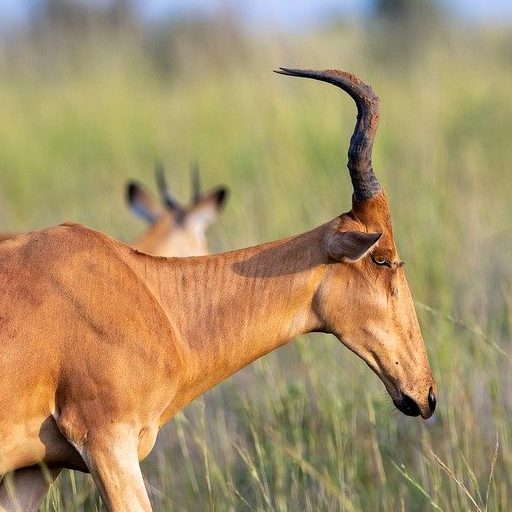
[(163, 190), (363, 178)]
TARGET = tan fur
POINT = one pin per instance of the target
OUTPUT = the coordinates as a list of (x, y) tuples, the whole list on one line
[(180, 231), (167, 238), (7, 236)]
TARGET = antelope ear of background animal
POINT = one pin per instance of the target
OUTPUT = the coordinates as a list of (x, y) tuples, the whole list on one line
[(207, 208), (350, 245), (142, 203)]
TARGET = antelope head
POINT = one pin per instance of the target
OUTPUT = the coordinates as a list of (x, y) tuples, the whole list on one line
[(364, 298), (175, 230)]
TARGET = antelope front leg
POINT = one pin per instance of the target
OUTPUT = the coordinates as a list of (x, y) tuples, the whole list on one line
[(24, 489), (112, 460)]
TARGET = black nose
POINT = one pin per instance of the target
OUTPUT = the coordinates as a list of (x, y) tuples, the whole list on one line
[(431, 400), (408, 406)]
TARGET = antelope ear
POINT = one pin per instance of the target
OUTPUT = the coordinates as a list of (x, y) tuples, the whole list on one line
[(350, 245), (142, 203), (206, 210)]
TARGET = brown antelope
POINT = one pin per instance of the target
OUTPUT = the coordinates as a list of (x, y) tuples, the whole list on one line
[(100, 344), (175, 230)]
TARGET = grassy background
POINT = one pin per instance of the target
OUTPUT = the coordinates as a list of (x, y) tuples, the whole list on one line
[(309, 427)]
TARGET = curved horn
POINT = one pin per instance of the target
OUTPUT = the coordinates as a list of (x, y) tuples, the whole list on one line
[(363, 178), (196, 187), (163, 189)]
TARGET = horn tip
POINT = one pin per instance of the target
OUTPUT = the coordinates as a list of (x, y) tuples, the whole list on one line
[(290, 71)]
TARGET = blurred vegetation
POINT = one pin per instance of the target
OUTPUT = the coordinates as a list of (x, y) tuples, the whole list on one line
[(88, 105)]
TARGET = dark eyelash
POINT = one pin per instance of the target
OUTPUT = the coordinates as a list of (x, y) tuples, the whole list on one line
[(385, 263)]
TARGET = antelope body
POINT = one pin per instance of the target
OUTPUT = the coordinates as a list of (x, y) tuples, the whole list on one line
[(6, 236), (101, 344)]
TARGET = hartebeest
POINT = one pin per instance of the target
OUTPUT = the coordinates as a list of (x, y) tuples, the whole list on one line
[(101, 344), (175, 230)]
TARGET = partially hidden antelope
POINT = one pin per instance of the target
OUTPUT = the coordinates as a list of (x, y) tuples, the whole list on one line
[(101, 344), (175, 229)]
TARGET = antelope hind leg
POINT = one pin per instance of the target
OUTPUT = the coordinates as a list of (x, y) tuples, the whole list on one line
[(24, 489)]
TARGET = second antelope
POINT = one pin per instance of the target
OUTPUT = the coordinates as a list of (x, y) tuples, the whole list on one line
[(101, 344), (175, 230)]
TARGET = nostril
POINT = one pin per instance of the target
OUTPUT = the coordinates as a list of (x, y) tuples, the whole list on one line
[(409, 406), (431, 400)]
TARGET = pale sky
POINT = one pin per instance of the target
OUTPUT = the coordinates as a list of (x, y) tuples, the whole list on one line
[(286, 13)]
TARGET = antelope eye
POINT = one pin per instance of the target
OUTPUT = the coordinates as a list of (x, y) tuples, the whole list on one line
[(382, 262)]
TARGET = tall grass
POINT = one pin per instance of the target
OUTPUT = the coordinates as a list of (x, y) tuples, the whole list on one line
[(309, 427)]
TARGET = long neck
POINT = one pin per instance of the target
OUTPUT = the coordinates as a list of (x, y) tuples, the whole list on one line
[(230, 309)]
